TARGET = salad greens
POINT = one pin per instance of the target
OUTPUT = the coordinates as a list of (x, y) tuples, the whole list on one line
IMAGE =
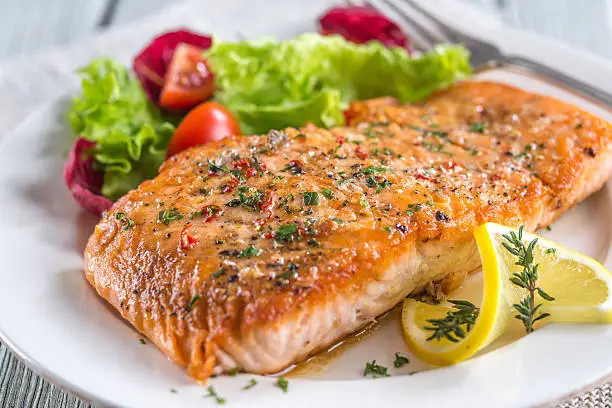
[(130, 134), (312, 78)]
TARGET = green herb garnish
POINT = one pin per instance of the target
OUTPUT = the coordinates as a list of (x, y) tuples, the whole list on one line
[(286, 233), (374, 170), (125, 220), (167, 216), (400, 360), (311, 198), (218, 273), (528, 311), (327, 193), (213, 394), (251, 250), (479, 127), (192, 302), (375, 370), (283, 384), (464, 314), (251, 384)]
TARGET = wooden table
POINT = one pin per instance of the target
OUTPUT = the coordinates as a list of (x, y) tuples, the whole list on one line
[(28, 26)]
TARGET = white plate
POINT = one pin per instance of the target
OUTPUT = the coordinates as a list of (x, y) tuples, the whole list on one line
[(52, 318)]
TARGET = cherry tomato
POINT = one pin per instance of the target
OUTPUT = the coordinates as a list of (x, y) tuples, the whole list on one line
[(205, 123), (188, 80)]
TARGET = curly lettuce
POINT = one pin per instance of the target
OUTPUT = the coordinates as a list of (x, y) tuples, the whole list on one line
[(312, 78), (130, 134)]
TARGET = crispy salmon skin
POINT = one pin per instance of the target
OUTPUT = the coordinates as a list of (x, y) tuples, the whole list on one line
[(255, 252)]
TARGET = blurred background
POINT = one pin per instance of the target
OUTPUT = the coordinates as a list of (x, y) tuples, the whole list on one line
[(27, 26)]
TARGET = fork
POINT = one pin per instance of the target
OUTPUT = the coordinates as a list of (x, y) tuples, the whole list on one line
[(484, 55)]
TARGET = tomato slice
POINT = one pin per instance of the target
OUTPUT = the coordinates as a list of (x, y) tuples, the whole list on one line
[(205, 123), (188, 80)]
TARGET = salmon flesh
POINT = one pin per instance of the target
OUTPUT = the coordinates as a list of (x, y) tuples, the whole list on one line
[(255, 252)]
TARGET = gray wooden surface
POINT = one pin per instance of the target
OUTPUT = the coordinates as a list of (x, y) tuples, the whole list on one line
[(28, 26)]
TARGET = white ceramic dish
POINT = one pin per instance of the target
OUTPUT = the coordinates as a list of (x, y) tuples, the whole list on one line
[(52, 319)]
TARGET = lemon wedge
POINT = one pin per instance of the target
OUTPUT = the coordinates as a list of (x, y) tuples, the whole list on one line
[(581, 287)]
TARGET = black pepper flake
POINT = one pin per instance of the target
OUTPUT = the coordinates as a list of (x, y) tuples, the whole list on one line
[(401, 228), (440, 216), (232, 278), (590, 151), (229, 252)]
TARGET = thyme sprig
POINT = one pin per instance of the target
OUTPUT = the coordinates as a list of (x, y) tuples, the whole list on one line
[(450, 327), (528, 311)]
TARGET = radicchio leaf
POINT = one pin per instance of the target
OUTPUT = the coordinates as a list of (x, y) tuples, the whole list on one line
[(360, 24), (153, 61), (83, 180)]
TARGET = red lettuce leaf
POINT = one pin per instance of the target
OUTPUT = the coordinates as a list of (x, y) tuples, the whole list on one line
[(83, 180), (360, 24), (153, 61)]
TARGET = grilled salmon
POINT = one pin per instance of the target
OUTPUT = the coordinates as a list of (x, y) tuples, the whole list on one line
[(252, 253)]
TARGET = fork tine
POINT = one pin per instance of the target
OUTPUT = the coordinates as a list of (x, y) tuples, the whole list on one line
[(430, 37), (453, 35)]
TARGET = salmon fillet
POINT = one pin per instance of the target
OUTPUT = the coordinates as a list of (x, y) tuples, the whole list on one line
[(255, 252)]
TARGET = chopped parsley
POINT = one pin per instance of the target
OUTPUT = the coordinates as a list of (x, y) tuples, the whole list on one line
[(167, 216), (252, 202), (400, 360), (375, 370), (213, 394), (375, 170), (142, 341), (479, 127), (379, 185), (251, 250), (192, 302), (327, 193), (233, 372), (251, 384), (414, 208), (337, 221), (125, 220), (364, 203), (311, 198), (195, 214), (388, 229), (218, 273), (286, 233), (295, 167), (551, 250), (283, 384), (213, 168), (313, 242), (473, 151)]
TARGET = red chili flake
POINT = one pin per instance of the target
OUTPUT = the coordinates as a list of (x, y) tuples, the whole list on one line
[(241, 164), (450, 165), (421, 176), (210, 212), (495, 177), (250, 172), (340, 139), (231, 185), (212, 174), (187, 241), (263, 166), (267, 206), (269, 235), (360, 153)]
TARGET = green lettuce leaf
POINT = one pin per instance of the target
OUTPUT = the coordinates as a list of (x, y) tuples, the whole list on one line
[(131, 135), (312, 78)]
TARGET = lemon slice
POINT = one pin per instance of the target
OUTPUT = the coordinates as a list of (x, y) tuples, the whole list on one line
[(581, 287)]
